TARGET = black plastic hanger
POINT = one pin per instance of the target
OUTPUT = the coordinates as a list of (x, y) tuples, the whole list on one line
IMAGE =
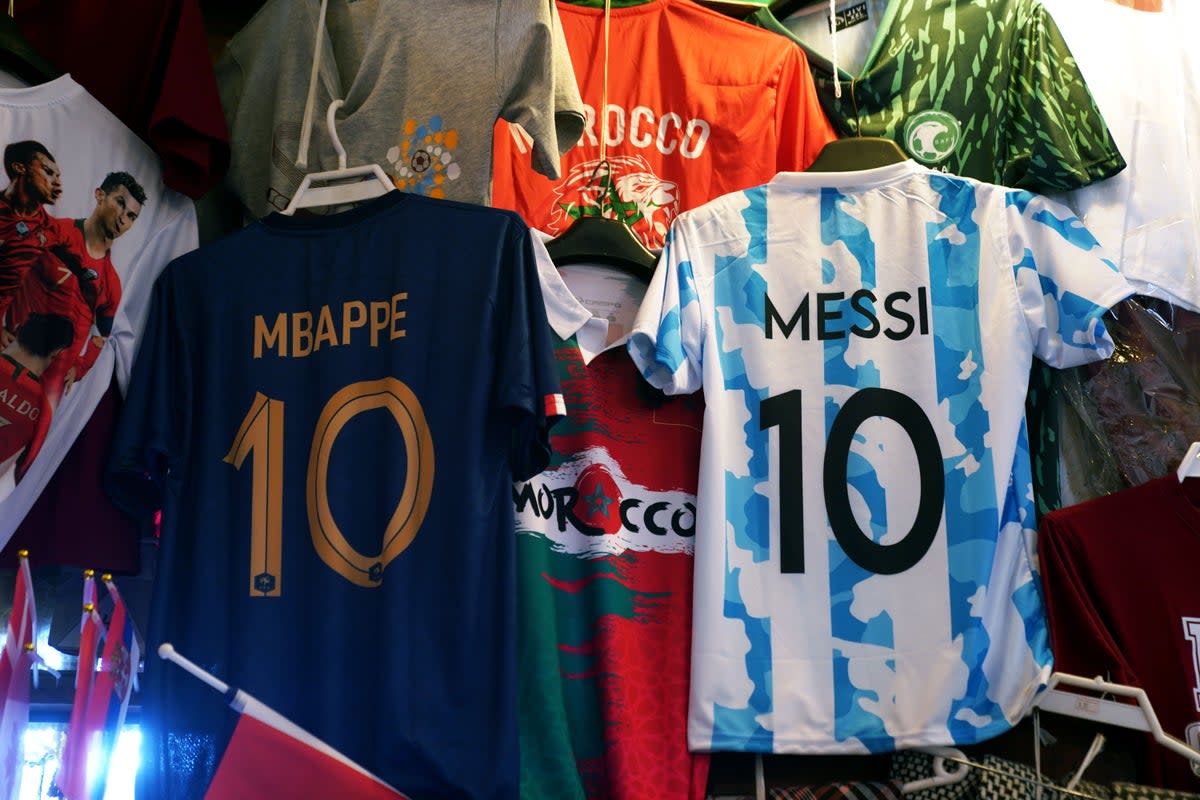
[(857, 152), (20, 58), (600, 240)]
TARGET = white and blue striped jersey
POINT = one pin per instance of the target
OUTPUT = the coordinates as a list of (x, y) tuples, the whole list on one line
[(864, 542)]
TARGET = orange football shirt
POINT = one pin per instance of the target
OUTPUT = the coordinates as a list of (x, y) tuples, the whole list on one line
[(699, 105)]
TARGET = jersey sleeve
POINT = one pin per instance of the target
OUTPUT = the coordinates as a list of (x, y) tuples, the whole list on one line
[(1064, 280), (800, 121), (1057, 138), (537, 83), (148, 443), (666, 343), (526, 387)]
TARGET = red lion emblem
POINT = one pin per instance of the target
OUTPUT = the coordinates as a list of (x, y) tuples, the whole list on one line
[(629, 192)]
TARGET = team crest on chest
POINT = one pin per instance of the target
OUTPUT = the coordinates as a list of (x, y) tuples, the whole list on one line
[(931, 136)]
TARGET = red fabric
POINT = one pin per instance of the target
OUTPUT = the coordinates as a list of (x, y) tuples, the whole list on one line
[(698, 105), (22, 240), (21, 406), (72, 770), (15, 665), (74, 523), (50, 286), (262, 761), (1123, 599), (150, 66)]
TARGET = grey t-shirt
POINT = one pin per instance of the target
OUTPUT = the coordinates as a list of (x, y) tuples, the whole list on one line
[(423, 84)]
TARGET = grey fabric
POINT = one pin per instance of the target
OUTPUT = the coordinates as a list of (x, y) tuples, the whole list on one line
[(423, 84)]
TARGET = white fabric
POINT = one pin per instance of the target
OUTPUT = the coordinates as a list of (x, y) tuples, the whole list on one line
[(920, 299), (1135, 66), (88, 142)]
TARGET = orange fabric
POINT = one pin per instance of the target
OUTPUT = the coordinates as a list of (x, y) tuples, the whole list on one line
[(1141, 5), (699, 105)]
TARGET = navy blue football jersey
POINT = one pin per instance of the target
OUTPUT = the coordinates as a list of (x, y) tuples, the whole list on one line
[(331, 412)]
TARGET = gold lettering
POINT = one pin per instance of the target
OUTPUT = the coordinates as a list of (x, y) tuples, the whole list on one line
[(275, 337), (380, 319), (397, 314), (325, 330), (302, 338), (352, 321)]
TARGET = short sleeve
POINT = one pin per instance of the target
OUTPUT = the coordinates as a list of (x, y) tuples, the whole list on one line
[(526, 388), (1065, 282), (537, 82), (666, 343), (152, 428), (1057, 138), (802, 126)]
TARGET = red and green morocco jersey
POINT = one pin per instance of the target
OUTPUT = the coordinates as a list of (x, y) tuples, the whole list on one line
[(604, 557)]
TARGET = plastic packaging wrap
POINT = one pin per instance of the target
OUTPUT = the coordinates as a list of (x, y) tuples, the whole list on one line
[(1131, 418)]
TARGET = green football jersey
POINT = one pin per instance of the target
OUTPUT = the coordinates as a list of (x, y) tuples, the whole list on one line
[(986, 89)]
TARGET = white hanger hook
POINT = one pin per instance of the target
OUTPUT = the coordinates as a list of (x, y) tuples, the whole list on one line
[(331, 125)]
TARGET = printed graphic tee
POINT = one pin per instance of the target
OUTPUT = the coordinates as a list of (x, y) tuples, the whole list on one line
[(698, 105), (331, 413), (71, 144), (1120, 578), (604, 563), (864, 540), (423, 87)]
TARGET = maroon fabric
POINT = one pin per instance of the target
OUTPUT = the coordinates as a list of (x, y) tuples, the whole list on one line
[(147, 61), (74, 523), (1123, 598)]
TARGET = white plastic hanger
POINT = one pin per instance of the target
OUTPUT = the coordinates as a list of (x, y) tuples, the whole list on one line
[(1140, 717), (353, 184), (941, 776), (352, 187), (1189, 467)]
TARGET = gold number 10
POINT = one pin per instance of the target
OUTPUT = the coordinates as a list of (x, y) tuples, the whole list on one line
[(262, 431)]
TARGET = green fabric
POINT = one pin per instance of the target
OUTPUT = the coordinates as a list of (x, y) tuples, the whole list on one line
[(998, 68), (986, 89)]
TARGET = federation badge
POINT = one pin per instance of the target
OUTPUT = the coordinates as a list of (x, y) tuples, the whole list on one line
[(931, 136)]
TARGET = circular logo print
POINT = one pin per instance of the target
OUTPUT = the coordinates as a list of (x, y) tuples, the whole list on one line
[(931, 136)]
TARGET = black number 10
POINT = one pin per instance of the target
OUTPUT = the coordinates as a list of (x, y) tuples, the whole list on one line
[(784, 410)]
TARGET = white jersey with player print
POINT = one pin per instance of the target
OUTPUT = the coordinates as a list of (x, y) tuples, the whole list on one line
[(865, 521)]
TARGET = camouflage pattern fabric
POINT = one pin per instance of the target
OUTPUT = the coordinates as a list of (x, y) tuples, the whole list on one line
[(984, 89)]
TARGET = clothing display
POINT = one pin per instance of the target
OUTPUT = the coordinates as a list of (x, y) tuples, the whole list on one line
[(818, 627), (558, 409), (348, 330), (604, 564), (86, 227), (698, 105), (1148, 637), (426, 117)]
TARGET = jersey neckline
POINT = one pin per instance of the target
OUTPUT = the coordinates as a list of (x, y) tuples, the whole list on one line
[(308, 225), (858, 179)]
